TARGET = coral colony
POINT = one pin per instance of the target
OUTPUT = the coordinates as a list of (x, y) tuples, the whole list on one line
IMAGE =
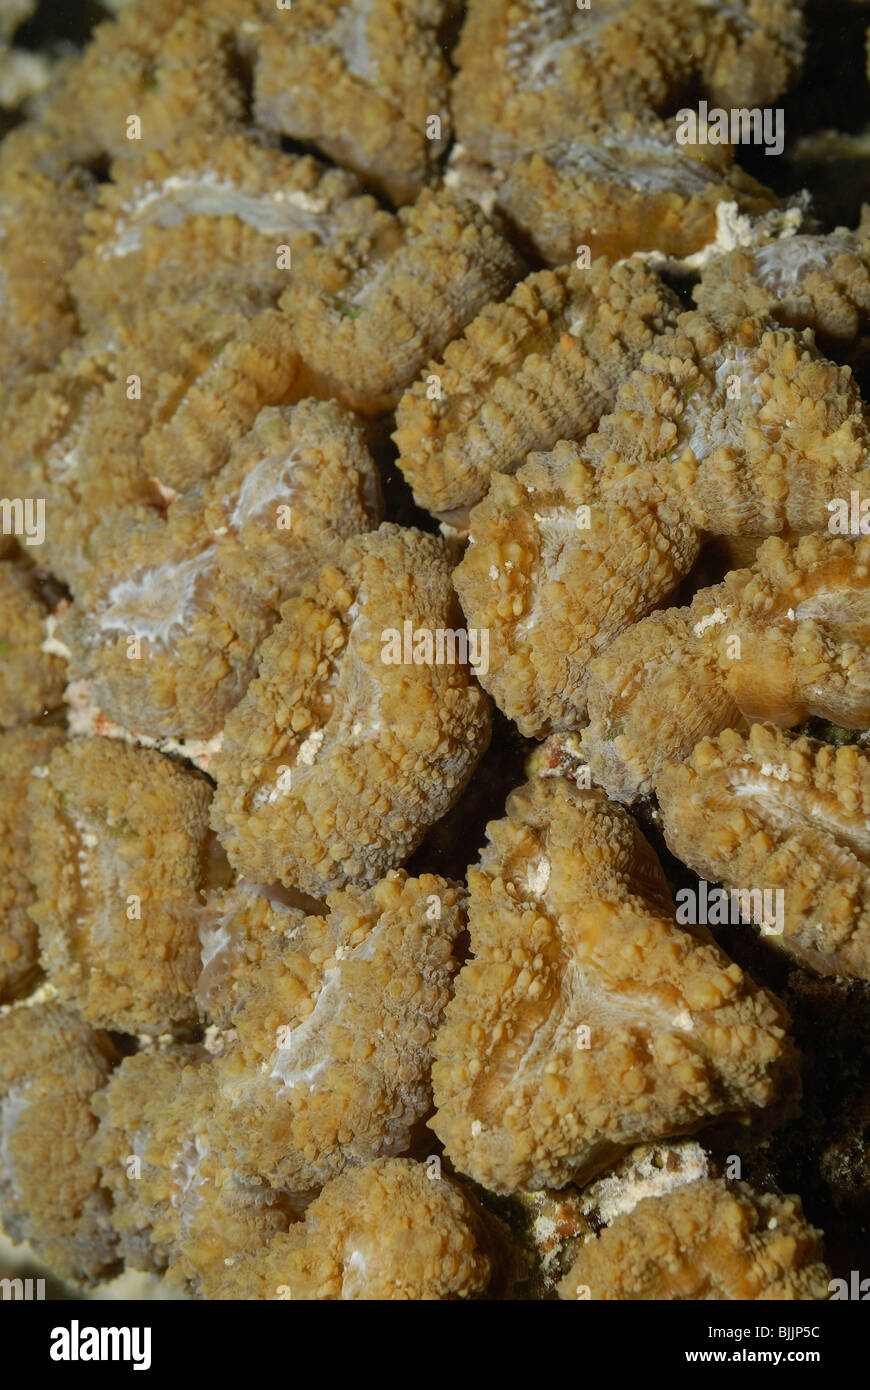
[(434, 658)]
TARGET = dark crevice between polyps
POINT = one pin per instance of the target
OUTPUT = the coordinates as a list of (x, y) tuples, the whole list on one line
[(59, 24), (455, 840)]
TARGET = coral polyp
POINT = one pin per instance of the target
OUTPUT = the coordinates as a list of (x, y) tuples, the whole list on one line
[(334, 1027), (803, 281), (790, 817), (171, 647), (586, 1019), (626, 186), (383, 1231), (120, 852), (413, 281), (555, 570), (540, 367), (781, 641), (529, 72), (710, 1241), (332, 739)]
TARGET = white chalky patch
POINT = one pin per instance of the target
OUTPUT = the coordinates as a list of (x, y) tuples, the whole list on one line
[(711, 620), (349, 34), (310, 748), (783, 266), (156, 603), (87, 719), (52, 646), (12, 1107), (657, 1172), (275, 214), (779, 771), (269, 481), (538, 877)]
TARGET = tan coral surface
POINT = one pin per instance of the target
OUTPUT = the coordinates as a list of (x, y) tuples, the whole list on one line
[(247, 248), (171, 646), (531, 72), (748, 430), (706, 1240), (626, 187), (781, 641), (175, 223), (24, 754), (555, 569), (31, 680), (740, 434), (336, 761), (361, 80), (145, 408), (50, 1065), (391, 1230), (119, 851), (540, 367), (586, 1019), (334, 1025), (176, 1204), (803, 281), (770, 810), (372, 307)]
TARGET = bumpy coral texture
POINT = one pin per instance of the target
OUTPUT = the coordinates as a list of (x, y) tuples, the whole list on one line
[(119, 852), (386, 1231), (156, 407), (70, 439), (45, 201), (177, 1207), (769, 810), (372, 307), (554, 571), (780, 641), (177, 353), (804, 281), (624, 187), (335, 763), (174, 65), (171, 65), (179, 220), (748, 430), (50, 1065), (23, 754), (237, 927), (586, 1019), (740, 434), (334, 1030), (197, 593), (707, 1240), (31, 680), (253, 365), (180, 299), (656, 690), (540, 367), (360, 80), (530, 72)]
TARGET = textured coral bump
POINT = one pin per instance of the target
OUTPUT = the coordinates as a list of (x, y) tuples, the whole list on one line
[(586, 1019)]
